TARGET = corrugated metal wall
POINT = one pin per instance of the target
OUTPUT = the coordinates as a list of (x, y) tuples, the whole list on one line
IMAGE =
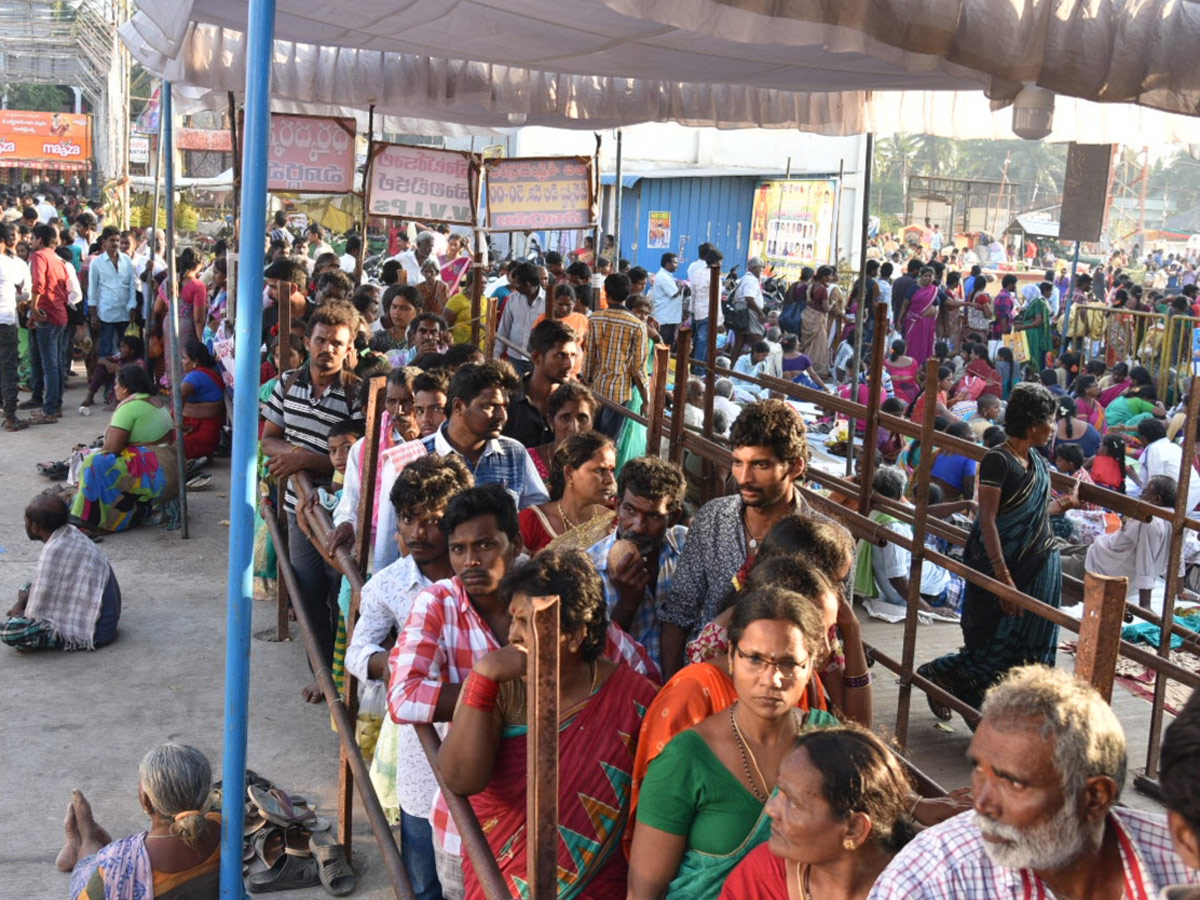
[(716, 210)]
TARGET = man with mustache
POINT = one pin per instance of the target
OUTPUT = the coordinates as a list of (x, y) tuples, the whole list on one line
[(304, 406), (770, 454), (649, 500), (455, 623), (1049, 764)]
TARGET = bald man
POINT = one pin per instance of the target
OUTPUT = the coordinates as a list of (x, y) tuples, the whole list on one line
[(74, 601)]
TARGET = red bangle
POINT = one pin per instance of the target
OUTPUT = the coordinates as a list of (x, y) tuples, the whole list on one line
[(480, 692)]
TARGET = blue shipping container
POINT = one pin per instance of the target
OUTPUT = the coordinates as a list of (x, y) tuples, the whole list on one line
[(714, 209)]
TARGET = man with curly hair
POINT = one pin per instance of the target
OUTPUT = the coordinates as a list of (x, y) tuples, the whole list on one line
[(770, 455), (419, 498)]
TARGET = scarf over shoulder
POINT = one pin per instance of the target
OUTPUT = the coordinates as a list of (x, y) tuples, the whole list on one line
[(69, 586)]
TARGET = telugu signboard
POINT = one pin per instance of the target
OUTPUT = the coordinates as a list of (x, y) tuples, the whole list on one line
[(139, 150), (420, 183), (45, 140), (310, 154), (549, 193), (793, 224)]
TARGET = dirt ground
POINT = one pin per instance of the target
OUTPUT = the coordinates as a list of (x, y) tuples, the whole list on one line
[(86, 719)]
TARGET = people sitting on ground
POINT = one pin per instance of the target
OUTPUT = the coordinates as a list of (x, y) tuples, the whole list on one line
[(400, 773), (179, 857), (1108, 466), (700, 809), (753, 365), (1070, 428), (725, 405), (1140, 551), (953, 471), (637, 561), (796, 366), (1162, 456), (570, 409), (882, 572), (582, 483), (74, 601), (1179, 760), (941, 404), (203, 394), (135, 470), (130, 352), (839, 816), (987, 413), (1048, 765), (456, 622), (600, 709), (1138, 402)]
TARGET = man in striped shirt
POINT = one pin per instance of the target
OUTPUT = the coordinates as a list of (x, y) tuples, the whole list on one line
[(616, 354), (304, 406), (1048, 764)]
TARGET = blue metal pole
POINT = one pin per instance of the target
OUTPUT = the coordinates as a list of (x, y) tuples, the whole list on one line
[(260, 32)]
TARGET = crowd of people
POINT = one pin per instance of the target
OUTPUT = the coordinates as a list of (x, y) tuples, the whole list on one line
[(715, 696)]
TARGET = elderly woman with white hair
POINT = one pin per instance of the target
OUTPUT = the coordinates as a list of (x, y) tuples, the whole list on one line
[(748, 321), (177, 859)]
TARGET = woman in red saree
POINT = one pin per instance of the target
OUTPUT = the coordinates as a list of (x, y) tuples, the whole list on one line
[(904, 371), (600, 714), (838, 817), (919, 318), (979, 367)]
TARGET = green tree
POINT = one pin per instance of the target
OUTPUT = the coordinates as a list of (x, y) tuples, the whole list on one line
[(40, 97)]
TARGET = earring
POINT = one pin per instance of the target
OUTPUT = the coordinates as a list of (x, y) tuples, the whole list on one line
[(848, 843)]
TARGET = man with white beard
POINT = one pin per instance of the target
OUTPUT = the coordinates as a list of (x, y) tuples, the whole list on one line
[(1049, 763)]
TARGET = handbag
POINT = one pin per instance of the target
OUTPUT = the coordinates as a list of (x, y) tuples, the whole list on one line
[(977, 319), (1018, 343)]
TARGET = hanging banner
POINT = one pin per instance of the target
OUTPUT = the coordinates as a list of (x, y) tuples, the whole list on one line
[(310, 154), (658, 233), (147, 120), (420, 183), (1085, 192), (793, 224), (536, 194), (45, 140)]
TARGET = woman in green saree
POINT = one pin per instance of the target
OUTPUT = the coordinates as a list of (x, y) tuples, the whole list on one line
[(1035, 322), (701, 804)]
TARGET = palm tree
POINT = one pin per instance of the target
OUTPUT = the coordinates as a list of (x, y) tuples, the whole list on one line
[(894, 157)]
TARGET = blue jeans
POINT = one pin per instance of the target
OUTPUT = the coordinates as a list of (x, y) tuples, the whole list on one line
[(416, 849), (700, 340), (49, 361), (66, 349), (110, 338)]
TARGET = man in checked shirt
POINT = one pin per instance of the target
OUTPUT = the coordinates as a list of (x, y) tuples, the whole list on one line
[(454, 623)]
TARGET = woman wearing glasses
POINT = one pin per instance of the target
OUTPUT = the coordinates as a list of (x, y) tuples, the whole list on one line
[(701, 806)]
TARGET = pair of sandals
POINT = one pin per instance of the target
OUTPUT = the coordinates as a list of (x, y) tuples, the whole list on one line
[(55, 471), (288, 846), (15, 424)]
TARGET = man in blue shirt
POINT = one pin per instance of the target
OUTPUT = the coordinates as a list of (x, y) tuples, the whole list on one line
[(112, 292)]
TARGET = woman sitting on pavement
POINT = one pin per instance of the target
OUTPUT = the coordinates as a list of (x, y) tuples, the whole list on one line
[(130, 353), (838, 817), (583, 482), (701, 805), (177, 859), (600, 708), (570, 409), (135, 469), (203, 401)]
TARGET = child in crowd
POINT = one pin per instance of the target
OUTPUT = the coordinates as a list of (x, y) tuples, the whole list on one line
[(1108, 467)]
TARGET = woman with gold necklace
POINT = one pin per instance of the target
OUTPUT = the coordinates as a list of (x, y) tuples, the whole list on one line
[(841, 812), (701, 806), (582, 483)]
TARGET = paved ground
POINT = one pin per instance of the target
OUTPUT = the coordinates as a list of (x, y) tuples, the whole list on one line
[(86, 719)]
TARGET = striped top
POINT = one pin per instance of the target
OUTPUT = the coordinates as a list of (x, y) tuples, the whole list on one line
[(616, 353), (306, 420)]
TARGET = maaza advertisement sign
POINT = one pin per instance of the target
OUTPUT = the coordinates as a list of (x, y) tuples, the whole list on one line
[(793, 224), (45, 140)]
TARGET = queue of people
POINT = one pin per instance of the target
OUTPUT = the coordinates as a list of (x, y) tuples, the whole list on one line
[(716, 701)]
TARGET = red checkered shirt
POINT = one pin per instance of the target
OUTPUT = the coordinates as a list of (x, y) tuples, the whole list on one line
[(949, 861), (443, 639)]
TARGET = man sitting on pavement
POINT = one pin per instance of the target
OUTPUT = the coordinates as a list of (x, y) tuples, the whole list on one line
[(1140, 551), (638, 575), (74, 601), (1048, 764)]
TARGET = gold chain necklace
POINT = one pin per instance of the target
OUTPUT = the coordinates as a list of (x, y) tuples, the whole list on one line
[(802, 888), (562, 515)]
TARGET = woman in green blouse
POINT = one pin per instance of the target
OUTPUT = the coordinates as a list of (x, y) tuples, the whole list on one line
[(701, 806), (120, 483)]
